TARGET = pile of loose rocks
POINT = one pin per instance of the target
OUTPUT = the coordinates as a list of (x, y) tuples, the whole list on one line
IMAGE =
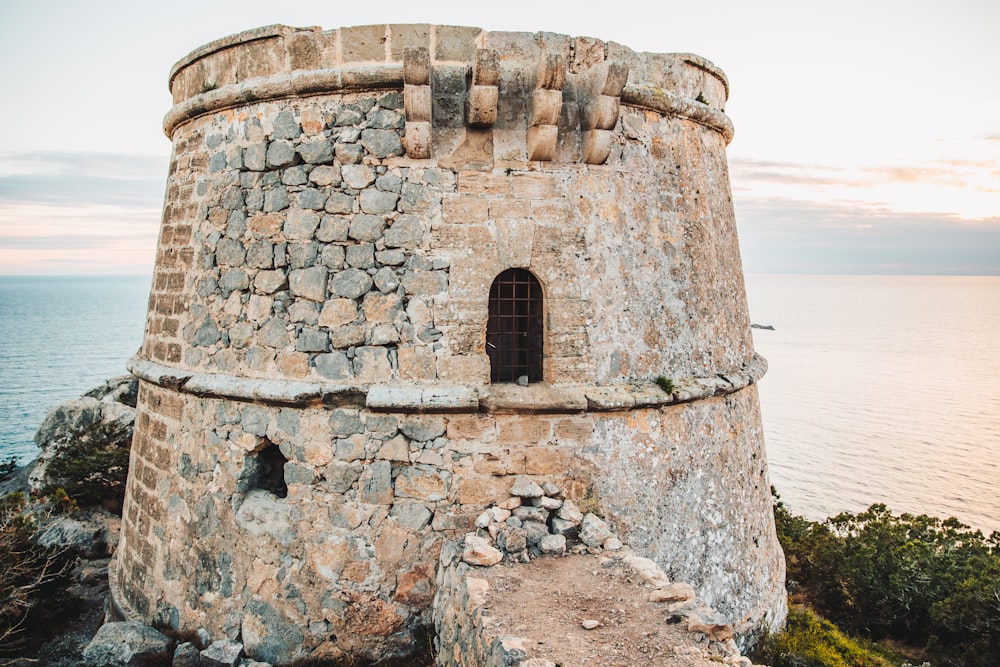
[(535, 520)]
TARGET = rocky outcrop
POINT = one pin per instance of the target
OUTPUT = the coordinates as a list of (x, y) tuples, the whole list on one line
[(109, 405), (128, 644)]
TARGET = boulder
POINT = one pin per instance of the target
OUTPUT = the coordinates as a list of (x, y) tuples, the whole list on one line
[(67, 418), (89, 538), (478, 551), (222, 653), (127, 644)]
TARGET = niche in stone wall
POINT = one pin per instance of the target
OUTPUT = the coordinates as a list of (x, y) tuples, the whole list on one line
[(265, 470)]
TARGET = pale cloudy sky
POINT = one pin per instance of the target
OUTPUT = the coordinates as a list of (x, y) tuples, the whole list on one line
[(867, 132)]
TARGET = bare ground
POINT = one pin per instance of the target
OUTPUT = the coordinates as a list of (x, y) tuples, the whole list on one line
[(545, 601)]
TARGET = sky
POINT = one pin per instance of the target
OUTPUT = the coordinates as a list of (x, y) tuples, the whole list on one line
[(867, 133)]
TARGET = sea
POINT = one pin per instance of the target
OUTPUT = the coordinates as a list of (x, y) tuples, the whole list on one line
[(879, 389)]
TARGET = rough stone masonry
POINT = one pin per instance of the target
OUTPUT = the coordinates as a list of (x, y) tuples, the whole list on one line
[(319, 408)]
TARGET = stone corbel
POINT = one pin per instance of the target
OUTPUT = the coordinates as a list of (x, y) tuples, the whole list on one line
[(600, 112), (417, 102), (545, 108), (481, 110)]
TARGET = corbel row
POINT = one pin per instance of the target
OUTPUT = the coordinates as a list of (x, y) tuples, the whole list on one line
[(600, 111), (546, 108), (417, 102), (599, 108), (481, 110)]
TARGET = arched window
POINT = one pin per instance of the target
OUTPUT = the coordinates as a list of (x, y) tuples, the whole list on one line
[(514, 332)]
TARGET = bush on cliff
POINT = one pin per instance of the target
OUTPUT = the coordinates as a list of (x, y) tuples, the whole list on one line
[(810, 641), (91, 465), (32, 577), (924, 581)]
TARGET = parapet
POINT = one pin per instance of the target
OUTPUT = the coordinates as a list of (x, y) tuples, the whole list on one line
[(535, 96)]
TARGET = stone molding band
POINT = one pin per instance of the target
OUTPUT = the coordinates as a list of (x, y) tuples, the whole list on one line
[(383, 76), (538, 398)]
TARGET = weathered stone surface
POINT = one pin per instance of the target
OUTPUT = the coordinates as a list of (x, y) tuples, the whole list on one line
[(422, 428), (675, 592), (309, 283), (381, 143), (186, 655), (406, 232), (350, 284), (593, 531), (269, 636), (357, 176), (554, 545), (375, 486), (525, 487), (640, 277), (127, 644), (222, 653), (479, 552), (366, 228), (269, 282), (422, 482), (280, 154)]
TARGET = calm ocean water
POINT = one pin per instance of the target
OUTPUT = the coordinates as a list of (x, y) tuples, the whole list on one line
[(61, 337), (880, 388)]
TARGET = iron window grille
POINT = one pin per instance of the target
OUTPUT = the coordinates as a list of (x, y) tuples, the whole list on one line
[(514, 332)]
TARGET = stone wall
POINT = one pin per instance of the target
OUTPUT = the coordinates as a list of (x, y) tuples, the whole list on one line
[(316, 415)]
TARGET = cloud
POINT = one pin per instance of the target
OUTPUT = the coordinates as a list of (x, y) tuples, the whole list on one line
[(79, 212), (71, 178), (791, 236)]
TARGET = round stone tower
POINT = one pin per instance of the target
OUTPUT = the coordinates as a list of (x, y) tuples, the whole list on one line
[(400, 264)]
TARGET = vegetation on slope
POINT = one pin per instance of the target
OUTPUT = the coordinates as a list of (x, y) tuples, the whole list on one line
[(922, 581)]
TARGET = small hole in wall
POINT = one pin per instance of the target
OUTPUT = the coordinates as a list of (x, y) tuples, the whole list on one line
[(267, 471)]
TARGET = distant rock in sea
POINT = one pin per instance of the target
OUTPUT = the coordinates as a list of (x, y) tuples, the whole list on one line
[(765, 327)]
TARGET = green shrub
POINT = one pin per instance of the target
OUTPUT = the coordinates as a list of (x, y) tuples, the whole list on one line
[(925, 581), (91, 466), (810, 641), (665, 383)]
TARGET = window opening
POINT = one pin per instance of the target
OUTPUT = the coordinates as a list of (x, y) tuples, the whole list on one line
[(266, 471), (514, 332)]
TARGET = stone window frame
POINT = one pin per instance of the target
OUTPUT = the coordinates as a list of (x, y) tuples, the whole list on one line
[(516, 314)]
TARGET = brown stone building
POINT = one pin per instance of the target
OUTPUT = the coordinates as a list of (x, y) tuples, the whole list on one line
[(371, 238)]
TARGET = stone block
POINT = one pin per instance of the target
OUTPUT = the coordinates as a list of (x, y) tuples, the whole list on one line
[(456, 42), (482, 491), (481, 110), (375, 484), (350, 283), (300, 224), (371, 365), (417, 137), (381, 143), (367, 227), (379, 308), (338, 312), (405, 232), (309, 283), (335, 366), (462, 208), (362, 43), (378, 202), (222, 653), (542, 142), (395, 449), (357, 176), (422, 482)]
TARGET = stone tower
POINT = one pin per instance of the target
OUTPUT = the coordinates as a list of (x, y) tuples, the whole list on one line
[(371, 238)]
